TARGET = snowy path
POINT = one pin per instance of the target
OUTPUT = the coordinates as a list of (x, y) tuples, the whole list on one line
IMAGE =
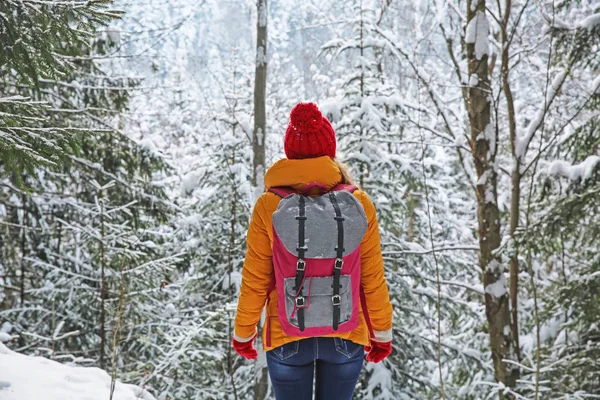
[(34, 378)]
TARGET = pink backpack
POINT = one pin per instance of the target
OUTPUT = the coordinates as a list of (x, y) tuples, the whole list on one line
[(316, 261)]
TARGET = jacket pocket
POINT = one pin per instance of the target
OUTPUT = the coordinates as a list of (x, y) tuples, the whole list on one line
[(287, 350), (346, 347)]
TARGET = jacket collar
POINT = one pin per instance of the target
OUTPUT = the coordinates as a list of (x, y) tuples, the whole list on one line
[(298, 174)]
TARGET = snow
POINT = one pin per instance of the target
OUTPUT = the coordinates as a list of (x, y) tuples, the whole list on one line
[(55, 381), (235, 280), (477, 32), (5, 337), (582, 171), (331, 109), (190, 182), (169, 311), (6, 327), (381, 379), (538, 120), (261, 56), (148, 145), (551, 330), (262, 14), (259, 136), (556, 22), (483, 179), (498, 288), (473, 80), (589, 22), (411, 109), (260, 180), (595, 85), (489, 134), (114, 34)]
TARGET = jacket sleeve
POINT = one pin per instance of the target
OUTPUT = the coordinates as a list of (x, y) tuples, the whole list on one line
[(372, 278), (257, 274)]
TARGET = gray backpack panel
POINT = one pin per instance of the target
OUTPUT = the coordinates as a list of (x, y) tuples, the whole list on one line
[(320, 312), (321, 228)]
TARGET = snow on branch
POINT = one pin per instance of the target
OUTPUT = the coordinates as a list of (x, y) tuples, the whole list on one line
[(590, 22), (582, 171), (399, 52), (477, 33), (522, 143)]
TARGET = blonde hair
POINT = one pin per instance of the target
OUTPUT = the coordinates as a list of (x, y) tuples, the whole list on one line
[(346, 175)]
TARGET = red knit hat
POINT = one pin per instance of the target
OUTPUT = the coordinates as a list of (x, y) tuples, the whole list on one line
[(309, 134)]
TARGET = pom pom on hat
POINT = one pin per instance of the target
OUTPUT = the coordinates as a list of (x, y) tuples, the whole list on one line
[(306, 117), (309, 134)]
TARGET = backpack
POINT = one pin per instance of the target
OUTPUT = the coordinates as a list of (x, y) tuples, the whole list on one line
[(316, 261)]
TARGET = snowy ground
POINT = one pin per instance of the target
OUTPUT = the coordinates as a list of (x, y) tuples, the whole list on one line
[(36, 378)]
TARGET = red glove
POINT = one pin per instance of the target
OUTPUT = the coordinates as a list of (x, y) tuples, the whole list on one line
[(245, 349), (377, 351)]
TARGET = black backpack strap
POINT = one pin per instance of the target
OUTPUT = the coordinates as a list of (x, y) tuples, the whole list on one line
[(300, 301), (339, 262)]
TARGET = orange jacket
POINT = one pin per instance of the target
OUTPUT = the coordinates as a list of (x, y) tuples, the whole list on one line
[(257, 273)]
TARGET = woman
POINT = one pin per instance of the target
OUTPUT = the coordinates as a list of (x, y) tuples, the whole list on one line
[(311, 169)]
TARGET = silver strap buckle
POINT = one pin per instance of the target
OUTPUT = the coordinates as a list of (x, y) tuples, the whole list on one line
[(339, 263), (301, 265), (336, 299)]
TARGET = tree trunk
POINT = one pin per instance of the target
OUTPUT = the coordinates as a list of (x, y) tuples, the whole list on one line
[(261, 387), (232, 236), (362, 168), (411, 223), (103, 289), (258, 141), (23, 251), (515, 206), (484, 144), (260, 88)]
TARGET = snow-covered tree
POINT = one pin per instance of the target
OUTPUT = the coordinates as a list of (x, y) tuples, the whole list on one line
[(44, 64), (126, 172)]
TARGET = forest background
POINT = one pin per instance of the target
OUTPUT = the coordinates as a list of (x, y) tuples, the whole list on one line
[(134, 136)]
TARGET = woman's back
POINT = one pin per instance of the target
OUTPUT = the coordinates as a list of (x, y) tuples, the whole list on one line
[(258, 273)]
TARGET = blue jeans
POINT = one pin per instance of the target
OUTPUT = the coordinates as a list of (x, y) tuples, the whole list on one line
[(337, 363)]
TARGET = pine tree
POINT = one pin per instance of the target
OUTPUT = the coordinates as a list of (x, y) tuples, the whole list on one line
[(564, 260), (410, 177), (92, 199), (43, 42)]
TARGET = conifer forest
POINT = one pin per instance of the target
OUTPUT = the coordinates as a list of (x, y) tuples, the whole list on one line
[(134, 138)]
